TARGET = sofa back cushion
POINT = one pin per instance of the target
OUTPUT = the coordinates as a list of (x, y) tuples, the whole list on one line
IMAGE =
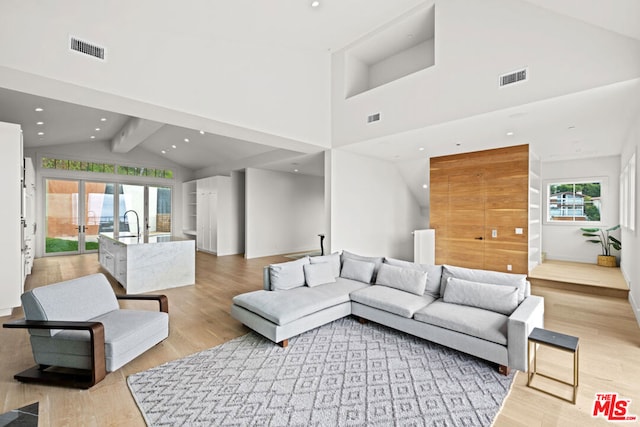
[(405, 279), (501, 299), (287, 275), (78, 299), (318, 274), (333, 259), (377, 261), (485, 276), (362, 271), (434, 274)]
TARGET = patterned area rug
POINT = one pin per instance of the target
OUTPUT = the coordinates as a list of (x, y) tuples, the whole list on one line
[(341, 374)]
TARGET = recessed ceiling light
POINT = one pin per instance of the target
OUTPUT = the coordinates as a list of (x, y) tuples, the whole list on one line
[(40, 133), (201, 132), (425, 186), (295, 170), (40, 123), (104, 119), (509, 133), (174, 146), (97, 129), (39, 109), (92, 137), (315, 3), (421, 149), (164, 151), (186, 140)]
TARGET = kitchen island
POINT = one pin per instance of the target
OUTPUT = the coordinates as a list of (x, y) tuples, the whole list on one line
[(148, 263)]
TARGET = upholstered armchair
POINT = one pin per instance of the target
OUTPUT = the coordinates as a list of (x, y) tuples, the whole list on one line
[(78, 331)]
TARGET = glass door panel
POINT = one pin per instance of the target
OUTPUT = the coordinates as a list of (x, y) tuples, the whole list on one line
[(159, 215), (98, 212), (62, 227), (131, 209)]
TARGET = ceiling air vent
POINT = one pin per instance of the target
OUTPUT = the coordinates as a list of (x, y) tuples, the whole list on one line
[(86, 48), (373, 118), (514, 77)]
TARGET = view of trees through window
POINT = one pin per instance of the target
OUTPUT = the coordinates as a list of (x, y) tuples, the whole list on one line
[(574, 201)]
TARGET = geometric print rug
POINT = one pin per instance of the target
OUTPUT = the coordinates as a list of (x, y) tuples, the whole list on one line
[(340, 374)]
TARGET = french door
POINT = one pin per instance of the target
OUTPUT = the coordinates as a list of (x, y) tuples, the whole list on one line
[(77, 211)]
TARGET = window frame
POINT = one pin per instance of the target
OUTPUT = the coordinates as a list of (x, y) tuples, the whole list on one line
[(604, 199)]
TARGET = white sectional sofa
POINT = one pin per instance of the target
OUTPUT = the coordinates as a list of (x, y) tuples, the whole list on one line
[(483, 313)]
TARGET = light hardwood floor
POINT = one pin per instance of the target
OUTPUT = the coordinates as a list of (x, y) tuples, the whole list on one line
[(609, 348)]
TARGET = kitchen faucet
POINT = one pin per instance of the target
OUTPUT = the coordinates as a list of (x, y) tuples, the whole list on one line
[(124, 219)]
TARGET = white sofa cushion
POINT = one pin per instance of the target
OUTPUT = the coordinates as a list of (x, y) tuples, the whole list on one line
[(394, 301), (333, 259), (377, 261), (404, 279), (473, 321), (287, 275), (283, 307), (485, 276), (434, 273), (318, 274), (361, 271), (499, 298)]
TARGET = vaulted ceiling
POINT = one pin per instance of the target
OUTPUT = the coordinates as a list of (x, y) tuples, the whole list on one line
[(565, 127)]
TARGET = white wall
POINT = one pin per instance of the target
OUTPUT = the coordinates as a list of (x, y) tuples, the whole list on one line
[(284, 212), (565, 242), (475, 42), (630, 253), (100, 151), (152, 59), (372, 210)]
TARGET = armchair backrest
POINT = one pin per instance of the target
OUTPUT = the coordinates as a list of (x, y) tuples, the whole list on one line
[(78, 300)]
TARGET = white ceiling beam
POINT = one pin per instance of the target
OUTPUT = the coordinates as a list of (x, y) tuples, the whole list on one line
[(133, 133)]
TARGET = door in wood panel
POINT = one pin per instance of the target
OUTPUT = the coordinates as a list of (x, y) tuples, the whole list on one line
[(465, 239)]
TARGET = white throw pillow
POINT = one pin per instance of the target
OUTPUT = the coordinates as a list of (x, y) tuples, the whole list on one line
[(333, 260), (318, 274), (362, 271), (434, 274), (499, 298), (485, 276), (377, 261), (287, 275), (405, 279)]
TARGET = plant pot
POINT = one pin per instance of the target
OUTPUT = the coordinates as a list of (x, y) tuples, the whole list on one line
[(607, 260)]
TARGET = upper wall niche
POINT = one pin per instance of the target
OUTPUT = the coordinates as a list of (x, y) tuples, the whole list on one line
[(400, 49)]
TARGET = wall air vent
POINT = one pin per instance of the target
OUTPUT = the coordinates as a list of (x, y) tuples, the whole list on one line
[(514, 77), (373, 118), (86, 48)]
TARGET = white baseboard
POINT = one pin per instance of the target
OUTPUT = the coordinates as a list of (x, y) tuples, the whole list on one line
[(635, 307)]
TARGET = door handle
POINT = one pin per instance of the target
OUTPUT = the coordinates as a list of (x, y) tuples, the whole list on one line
[(479, 238)]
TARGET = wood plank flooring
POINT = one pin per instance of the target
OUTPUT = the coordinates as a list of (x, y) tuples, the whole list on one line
[(609, 345), (580, 277)]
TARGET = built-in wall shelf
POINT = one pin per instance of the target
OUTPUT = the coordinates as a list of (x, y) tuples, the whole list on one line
[(395, 51)]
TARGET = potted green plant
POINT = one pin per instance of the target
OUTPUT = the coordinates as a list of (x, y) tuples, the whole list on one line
[(606, 241)]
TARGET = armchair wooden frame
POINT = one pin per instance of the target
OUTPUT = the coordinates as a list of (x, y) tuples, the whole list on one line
[(71, 377)]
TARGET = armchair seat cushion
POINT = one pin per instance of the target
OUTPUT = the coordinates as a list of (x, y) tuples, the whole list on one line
[(128, 333)]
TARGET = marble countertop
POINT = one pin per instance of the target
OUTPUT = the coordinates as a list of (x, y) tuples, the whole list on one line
[(131, 239)]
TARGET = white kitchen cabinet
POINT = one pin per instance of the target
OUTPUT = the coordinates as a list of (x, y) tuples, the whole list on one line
[(11, 218)]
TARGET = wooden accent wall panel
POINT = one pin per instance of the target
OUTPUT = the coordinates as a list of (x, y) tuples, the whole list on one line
[(472, 194)]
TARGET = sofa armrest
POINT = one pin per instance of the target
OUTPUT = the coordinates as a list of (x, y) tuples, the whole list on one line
[(163, 301), (96, 334), (528, 315)]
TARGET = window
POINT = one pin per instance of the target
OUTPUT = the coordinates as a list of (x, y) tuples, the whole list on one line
[(574, 201), (75, 165)]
